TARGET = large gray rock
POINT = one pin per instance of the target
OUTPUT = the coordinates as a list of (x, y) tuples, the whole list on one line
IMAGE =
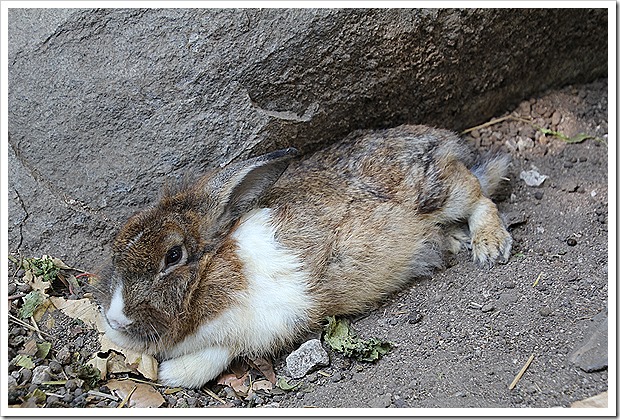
[(591, 353), (107, 105)]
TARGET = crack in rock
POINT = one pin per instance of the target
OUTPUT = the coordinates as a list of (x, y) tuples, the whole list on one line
[(21, 223), (58, 193), (289, 115)]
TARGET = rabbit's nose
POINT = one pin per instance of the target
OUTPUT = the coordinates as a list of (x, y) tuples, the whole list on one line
[(116, 314), (119, 324)]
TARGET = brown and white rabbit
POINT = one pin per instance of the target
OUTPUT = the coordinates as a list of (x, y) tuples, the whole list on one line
[(261, 251)]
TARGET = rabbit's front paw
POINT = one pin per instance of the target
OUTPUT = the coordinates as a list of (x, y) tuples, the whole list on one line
[(195, 369)]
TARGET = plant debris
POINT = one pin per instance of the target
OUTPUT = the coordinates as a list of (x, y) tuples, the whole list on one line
[(341, 337)]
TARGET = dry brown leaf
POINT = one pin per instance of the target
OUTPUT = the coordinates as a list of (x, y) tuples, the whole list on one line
[(140, 362), (239, 367), (263, 385), (30, 347), (116, 363), (82, 309), (88, 312), (239, 385), (101, 364), (60, 264), (266, 368), (144, 396), (36, 282)]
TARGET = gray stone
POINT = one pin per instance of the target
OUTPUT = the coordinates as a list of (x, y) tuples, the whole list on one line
[(591, 354), (380, 401), (532, 178), (40, 374), (310, 355), (107, 105)]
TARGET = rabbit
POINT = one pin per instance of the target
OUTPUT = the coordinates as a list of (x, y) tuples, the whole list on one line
[(256, 254)]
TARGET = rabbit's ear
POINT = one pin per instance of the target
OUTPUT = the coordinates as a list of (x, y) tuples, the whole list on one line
[(237, 187)]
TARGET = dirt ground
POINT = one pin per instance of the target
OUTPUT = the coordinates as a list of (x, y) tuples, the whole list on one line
[(461, 336)]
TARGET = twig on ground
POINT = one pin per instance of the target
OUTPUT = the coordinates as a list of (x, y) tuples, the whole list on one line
[(122, 404), (212, 394), (521, 372), (30, 327)]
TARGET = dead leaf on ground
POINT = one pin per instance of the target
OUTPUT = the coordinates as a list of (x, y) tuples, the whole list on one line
[(82, 309), (88, 312), (142, 395), (144, 364), (262, 385), (239, 385), (266, 368), (30, 347)]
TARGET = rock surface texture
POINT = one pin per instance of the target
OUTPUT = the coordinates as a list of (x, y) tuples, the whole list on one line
[(108, 105)]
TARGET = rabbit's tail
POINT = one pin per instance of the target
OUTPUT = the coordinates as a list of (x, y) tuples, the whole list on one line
[(491, 171)]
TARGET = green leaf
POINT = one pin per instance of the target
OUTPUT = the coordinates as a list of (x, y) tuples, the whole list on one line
[(578, 138), (39, 396), (90, 375), (43, 349), (23, 361), (45, 267), (31, 301), (340, 337), (285, 386)]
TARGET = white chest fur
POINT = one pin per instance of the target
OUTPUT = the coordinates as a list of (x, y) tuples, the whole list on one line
[(274, 306)]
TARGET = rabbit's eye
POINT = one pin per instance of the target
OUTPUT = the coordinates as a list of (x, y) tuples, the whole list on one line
[(173, 255)]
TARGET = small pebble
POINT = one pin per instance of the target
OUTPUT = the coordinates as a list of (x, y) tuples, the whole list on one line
[(509, 284), (100, 404), (571, 242), (544, 311), (336, 377), (26, 375), (400, 403), (414, 317), (71, 385), (488, 307), (52, 399), (12, 288), (24, 288), (40, 374), (538, 195), (55, 367), (394, 321)]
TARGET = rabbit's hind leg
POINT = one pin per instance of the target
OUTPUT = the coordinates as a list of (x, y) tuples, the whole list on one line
[(490, 241)]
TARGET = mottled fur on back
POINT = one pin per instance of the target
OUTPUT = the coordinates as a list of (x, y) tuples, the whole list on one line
[(380, 199)]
